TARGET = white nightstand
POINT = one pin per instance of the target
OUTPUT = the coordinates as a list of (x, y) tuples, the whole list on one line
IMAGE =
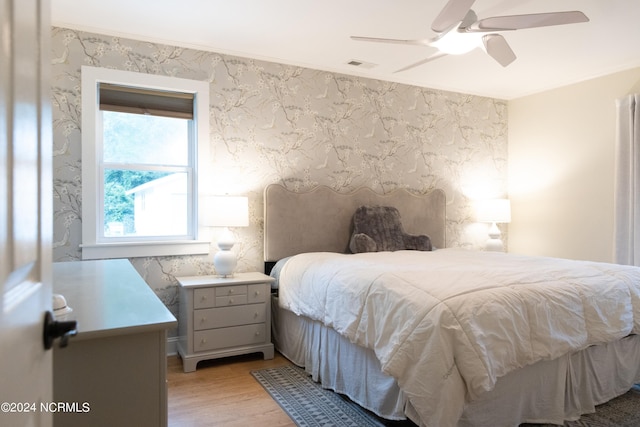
[(222, 317)]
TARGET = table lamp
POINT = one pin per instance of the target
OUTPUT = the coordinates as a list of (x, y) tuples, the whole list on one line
[(227, 211)]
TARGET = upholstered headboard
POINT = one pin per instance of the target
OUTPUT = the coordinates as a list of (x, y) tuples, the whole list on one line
[(320, 220)]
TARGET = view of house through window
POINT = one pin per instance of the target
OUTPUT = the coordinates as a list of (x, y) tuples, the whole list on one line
[(146, 171), (144, 146)]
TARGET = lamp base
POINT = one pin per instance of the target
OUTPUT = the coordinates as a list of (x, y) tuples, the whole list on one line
[(225, 262), (494, 245)]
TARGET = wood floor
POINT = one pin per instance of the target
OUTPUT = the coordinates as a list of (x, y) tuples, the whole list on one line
[(223, 393)]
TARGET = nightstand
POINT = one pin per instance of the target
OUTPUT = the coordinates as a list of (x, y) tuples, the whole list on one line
[(222, 317)]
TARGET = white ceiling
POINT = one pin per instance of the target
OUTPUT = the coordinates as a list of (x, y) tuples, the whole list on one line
[(315, 34)]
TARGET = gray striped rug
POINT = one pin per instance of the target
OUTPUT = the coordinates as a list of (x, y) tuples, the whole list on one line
[(308, 404)]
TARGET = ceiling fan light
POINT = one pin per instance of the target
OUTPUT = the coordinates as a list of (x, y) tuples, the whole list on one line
[(457, 43)]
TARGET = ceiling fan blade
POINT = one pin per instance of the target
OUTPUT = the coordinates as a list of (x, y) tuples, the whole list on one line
[(424, 42), (451, 14), (424, 61), (534, 20), (498, 48)]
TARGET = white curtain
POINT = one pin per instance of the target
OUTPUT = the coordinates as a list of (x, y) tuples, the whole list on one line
[(627, 184)]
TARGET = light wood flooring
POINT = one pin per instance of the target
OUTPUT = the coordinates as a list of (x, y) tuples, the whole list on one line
[(222, 392)]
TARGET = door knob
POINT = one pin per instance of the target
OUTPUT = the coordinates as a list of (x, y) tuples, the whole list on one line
[(54, 329)]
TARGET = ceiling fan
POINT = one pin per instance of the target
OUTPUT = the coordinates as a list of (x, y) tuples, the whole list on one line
[(460, 31)]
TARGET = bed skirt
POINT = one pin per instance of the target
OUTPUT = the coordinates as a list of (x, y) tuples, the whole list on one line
[(556, 390)]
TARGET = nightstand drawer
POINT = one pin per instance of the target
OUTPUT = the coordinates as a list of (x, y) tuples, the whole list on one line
[(222, 291), (229, 316), (257, 293), (220, 297), (229, 337), (204, 298), (231, 300)]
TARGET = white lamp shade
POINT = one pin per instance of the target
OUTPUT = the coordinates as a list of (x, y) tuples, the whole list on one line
[(227, 211), (493, 210)]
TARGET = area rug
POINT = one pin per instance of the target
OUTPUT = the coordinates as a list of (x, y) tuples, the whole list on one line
[(308, 404)]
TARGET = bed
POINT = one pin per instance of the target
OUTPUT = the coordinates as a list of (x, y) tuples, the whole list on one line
[(445, 337)]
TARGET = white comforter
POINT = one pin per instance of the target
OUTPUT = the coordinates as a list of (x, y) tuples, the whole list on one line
[(446, 324)]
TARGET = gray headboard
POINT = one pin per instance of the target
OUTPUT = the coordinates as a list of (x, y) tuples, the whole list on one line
[(320, 220)]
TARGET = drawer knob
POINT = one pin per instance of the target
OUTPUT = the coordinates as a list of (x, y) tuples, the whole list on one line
[(204, 298), (230, 300), (203, 341), (257, 293), (203, 320), (257, 333), (255, 315), (230, 291)]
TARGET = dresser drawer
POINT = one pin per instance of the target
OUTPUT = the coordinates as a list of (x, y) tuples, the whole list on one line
[(204, 298), (222, 291), (257, 293), (231, 295), (231, 300), (234, 336), (223, 317)]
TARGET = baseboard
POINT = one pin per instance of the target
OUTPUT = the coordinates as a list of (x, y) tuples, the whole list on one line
[(172, 346)]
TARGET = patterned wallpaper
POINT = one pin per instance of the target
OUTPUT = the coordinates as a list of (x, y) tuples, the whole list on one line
[(275, 123)]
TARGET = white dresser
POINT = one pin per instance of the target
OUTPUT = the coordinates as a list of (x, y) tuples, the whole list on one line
[(222, 317), (117, 363)]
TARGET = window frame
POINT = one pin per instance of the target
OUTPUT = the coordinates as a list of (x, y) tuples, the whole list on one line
[(93, 247)]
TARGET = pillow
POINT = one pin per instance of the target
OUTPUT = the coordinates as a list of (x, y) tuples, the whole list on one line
[(275, 272), (378, 228)]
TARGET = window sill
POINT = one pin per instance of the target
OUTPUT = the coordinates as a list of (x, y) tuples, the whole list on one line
[(144, 249)]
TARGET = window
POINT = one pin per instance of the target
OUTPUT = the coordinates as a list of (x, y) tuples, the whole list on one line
[(142, 136)]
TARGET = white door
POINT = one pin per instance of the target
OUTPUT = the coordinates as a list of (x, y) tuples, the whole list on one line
[(25, 212)]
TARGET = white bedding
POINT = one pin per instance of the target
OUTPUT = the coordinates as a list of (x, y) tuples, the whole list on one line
[(446, 324)]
